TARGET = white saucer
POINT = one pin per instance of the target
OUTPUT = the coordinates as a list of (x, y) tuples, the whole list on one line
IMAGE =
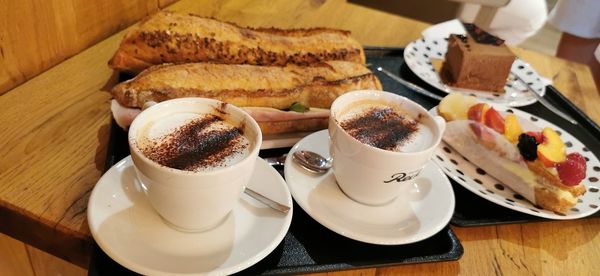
[(419, 212), (127, 228)]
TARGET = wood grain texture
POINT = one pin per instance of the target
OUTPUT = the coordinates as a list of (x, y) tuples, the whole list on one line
[(13, 257), (44, 264), (574, 80), (35, 36), (17, 258), (45, 123), (55, 131)]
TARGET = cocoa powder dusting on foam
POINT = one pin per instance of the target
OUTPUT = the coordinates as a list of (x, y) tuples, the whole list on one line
[(381, 128), (192, 146)]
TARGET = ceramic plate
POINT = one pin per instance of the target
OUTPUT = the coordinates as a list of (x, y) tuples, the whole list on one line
[(418, 56), (482, 184), (126, 227), (420, 211)]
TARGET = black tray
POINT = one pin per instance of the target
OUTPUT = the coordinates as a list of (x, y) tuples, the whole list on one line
[(308, 246), (472, 210)]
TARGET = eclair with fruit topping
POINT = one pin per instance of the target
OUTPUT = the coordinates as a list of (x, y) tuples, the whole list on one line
[(530, 161)]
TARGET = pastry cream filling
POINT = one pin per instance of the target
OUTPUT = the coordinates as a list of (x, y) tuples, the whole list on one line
[(563, 194), (526, 176)]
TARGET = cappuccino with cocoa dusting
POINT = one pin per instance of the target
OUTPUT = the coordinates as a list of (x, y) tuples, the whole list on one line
[(385, 127), (193, 142)]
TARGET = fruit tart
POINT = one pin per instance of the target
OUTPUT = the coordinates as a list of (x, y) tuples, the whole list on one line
[(530, 161)]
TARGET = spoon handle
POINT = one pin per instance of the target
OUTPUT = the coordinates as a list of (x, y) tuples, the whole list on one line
[(544, 102), (279, 160), (267, 201), (410, 85)]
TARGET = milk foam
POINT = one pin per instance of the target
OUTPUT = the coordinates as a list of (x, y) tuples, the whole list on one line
[(155, 134), (422, 139), (419, 140)]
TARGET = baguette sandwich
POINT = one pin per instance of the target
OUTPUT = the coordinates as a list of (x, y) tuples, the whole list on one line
[(532, 163), (281, 99), (168, 37)]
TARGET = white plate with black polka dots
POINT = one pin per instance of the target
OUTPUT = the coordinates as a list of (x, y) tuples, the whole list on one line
[(482, 184), (418, 56)]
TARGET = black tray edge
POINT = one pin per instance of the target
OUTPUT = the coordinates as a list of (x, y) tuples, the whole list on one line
[(453, 255), (583, 119)]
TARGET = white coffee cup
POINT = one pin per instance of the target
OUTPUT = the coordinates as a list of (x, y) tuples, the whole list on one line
[(194, 201), (371, 175)]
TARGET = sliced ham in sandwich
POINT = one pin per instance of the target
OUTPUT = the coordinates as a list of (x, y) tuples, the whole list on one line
[(281, 99)]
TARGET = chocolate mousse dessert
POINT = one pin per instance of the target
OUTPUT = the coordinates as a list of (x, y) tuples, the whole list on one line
[(478, 61)]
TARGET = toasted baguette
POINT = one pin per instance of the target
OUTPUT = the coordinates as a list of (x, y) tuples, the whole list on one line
[(247, 85), (167, 37)]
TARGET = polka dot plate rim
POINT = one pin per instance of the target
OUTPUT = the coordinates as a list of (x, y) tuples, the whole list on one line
[(477, 181), (418, 55)]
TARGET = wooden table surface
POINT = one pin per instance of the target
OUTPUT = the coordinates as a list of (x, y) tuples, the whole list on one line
[(55, 130)]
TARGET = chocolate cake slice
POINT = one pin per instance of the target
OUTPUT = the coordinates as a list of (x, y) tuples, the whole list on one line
[(478, 61)]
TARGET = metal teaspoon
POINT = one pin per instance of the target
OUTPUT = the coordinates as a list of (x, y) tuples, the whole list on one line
[(312, 161)]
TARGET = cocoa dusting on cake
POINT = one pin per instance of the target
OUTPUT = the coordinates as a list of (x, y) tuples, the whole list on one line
[(482, 36), (381, 128), (194, 145)]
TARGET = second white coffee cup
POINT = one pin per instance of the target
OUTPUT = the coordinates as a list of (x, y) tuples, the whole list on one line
[(371, 175)]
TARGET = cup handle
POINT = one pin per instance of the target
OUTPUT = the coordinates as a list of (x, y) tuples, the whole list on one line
[(441, 123)]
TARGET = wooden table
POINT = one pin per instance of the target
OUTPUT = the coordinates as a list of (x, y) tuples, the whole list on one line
[(55, 129)]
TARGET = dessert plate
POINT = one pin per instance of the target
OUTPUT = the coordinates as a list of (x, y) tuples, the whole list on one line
[(419, 55), (420, 211), (127, 228), (482, 184)]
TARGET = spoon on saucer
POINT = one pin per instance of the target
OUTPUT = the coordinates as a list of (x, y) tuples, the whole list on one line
[(312, 161), (267, 201)]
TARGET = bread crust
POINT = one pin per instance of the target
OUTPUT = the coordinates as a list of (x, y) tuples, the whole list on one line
[(247, 85), (167, 37), (547, 199)]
